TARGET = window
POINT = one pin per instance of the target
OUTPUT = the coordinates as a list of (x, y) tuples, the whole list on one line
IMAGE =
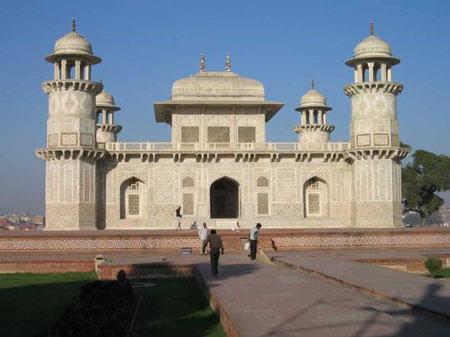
[(187, 182), (188, 203), (313, 203), (218, 134), (133, 204), (262, 196), (246, 134), (189, 134), (315, 198), (131, 198), (262, 182), (263, 203)]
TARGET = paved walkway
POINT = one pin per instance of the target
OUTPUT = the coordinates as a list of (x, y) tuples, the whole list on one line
[(264, 300), (426, 293)]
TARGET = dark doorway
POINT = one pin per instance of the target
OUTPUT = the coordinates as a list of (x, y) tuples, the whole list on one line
[(224, 198)]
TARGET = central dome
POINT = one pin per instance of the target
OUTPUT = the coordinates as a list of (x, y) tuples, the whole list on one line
[(219, 86)]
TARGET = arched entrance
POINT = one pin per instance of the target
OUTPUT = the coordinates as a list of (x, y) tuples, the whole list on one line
[(224, 198)]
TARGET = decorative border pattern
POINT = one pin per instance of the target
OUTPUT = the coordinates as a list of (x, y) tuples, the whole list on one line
[(369, 240)]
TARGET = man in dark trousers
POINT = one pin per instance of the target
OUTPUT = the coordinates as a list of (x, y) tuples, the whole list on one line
[(179, 216), (254, 240), (216, 247)]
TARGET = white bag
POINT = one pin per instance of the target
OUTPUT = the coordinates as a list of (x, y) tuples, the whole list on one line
[(247, 245)]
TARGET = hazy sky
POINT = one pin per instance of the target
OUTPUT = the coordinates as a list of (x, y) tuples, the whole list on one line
[(146, 45)]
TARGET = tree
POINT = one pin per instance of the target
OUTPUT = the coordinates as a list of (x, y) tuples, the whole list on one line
[(427, 174)]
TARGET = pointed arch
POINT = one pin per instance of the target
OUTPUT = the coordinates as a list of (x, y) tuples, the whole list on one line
[(315, 198), (131, 198), (224, 198)]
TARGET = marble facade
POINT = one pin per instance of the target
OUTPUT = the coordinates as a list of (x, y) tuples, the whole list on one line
[(218, 166)]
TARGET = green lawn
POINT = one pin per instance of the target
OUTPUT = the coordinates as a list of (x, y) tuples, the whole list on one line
[(30, 303), (176, 307)]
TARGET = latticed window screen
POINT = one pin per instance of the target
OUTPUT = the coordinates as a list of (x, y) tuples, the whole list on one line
[(188, 203), (262, 182), (246, 134), (133, 204), (187, 182), (313, 203), (263, 203), (218, 134), (189, 134)]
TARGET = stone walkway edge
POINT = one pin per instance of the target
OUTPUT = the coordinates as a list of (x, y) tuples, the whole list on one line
[(361, 289)]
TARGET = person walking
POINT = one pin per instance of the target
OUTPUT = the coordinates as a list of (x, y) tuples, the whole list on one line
[(254, 240), (203, 233), (215, 249), (179, 216)]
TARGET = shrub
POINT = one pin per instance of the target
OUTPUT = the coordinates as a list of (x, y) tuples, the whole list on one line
[(434, 265), (104, 309)]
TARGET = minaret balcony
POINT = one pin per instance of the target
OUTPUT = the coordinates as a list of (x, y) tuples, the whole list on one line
[(314, 127), (72, 84), (370, 87)]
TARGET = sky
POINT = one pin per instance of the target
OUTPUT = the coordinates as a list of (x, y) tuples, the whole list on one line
[(146, 45)]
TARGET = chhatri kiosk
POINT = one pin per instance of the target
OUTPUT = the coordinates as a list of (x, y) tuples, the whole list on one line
[(218, 166)]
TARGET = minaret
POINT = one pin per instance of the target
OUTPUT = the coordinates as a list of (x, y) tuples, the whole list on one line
[(313, 110), (71, 152), (106, 129), (374, 135)]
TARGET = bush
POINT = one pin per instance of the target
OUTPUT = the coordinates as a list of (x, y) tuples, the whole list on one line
[(434, 265), (104, 309)]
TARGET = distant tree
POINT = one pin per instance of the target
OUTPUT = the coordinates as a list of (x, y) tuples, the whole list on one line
[(427, 174)]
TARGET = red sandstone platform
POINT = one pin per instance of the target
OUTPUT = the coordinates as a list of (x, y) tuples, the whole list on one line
[(172, 240)]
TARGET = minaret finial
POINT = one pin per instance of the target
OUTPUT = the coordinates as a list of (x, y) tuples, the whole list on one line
[(312, 84), (202, 62), (228, 63), (371, 28), (74, 25)]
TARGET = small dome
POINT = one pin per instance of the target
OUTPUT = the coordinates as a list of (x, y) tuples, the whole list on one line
[(372, 46), (105, 100), (313, 98), (73, 43), (219, 86)]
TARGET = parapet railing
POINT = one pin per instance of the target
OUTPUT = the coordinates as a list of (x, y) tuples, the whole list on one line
[(225, 147)]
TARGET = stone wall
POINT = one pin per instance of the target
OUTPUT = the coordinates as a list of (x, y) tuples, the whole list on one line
[(162, 191)]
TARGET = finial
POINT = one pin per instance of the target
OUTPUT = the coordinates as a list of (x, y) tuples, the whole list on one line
[(202, 62), (371, 28), (74, 25), (312, 84), (228, 63)]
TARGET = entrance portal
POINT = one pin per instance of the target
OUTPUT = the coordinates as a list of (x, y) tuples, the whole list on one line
[(224, 198)]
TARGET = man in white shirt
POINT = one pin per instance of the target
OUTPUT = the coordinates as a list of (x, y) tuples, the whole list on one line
[(203, 233), (254, 240)]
